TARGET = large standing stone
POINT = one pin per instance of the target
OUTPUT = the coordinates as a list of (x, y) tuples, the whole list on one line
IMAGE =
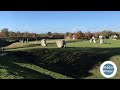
[(21, 41), (90, 40), (94, 40), (115, 37), (61, 43), (101, 39), (43, 42), (27, 40), (104, 40), (64, 43)]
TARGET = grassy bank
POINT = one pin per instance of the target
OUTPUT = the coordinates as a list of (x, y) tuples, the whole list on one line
[(77, 60)]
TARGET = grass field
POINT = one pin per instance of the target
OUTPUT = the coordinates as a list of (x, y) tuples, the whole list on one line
[(77, 60)]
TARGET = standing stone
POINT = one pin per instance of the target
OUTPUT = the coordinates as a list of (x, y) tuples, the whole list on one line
[(22, 41), (104, 39), (101, 41), (115, 37), (27, 40), (90, 40), (61, 43), (94, 40), (43, 42)]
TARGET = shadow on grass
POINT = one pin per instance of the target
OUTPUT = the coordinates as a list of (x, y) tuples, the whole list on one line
[(19, 72), (4, 43), (72, 62), (107, 43)]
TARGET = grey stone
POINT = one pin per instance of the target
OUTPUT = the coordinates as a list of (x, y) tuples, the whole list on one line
[(43, 42), (61, 43)]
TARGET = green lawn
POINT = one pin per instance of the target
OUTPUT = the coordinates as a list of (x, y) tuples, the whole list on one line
[(77, 60)]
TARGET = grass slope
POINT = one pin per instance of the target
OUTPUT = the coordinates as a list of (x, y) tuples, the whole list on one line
[(77, 60), (12, 68)]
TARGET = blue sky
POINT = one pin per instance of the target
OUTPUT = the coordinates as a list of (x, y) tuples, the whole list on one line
[(60, 21)]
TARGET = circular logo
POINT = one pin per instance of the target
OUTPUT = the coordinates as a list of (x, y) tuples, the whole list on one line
[(108, 69)]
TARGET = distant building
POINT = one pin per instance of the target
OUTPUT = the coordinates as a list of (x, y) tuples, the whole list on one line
[(73, 37)]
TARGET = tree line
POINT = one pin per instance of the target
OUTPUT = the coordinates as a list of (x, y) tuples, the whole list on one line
[(6, 33), (88, 35)]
